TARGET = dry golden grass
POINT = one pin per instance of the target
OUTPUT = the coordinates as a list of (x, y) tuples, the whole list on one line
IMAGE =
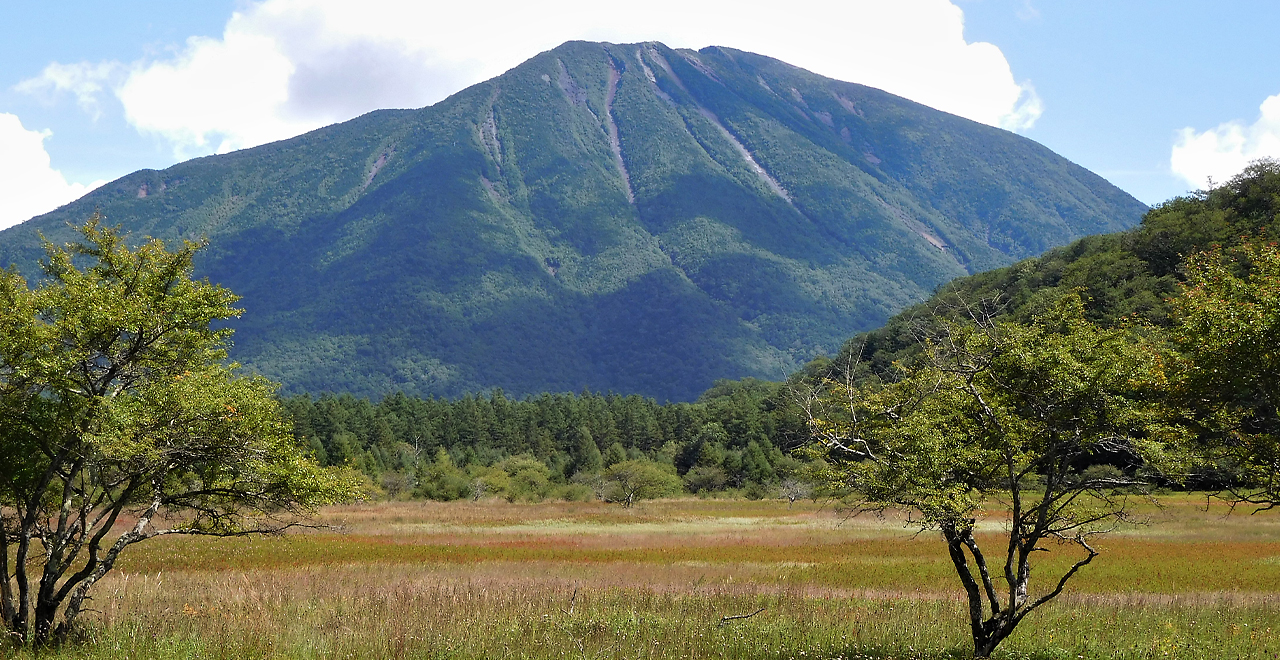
[(588, 580)]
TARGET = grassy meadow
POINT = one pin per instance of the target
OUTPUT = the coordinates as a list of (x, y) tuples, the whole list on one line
[(593, 581)]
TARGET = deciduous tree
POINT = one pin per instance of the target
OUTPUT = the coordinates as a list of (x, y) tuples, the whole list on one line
[(629, 481), (1228, 329), (998, 414), (116, 404)]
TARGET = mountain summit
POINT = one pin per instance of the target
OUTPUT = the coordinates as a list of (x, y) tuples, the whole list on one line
[(614, 217)]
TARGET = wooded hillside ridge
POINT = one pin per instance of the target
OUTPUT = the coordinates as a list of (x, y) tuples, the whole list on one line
[(738, 435)]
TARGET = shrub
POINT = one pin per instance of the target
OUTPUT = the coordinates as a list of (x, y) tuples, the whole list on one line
[(529, 480), (705, 478), (574, 492), (442, 480)]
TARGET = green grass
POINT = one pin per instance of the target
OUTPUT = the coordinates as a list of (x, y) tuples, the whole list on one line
[(438, 620), (587, 580)]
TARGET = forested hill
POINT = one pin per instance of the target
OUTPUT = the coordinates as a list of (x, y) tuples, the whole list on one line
[(613, 217), (737, 434), (1124, 276)]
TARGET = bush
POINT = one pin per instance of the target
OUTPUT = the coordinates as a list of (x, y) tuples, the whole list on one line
[(529, 480), (758, 491), (574, 492), (487, 481), (442, 480), (397, 485), (592, 481), (1108, 473), (528, 485), (704, 478)]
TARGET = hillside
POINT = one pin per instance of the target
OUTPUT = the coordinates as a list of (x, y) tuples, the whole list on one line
[(614, 217), (1123, 277)]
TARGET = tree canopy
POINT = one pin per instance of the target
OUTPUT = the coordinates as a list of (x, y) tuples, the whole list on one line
[(116, 403), (1228, 330)]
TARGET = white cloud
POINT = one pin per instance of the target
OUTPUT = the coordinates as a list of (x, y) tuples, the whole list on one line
[(28, 185), (86, 80), (1221, 153), (230, 90), (285, 66)]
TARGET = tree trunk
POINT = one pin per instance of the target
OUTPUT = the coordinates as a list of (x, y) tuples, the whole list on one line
[(74, 605), (977, 625), (994, 631), (47, 600), (45, 613), (21, 619), (7, 612), (987, 632)]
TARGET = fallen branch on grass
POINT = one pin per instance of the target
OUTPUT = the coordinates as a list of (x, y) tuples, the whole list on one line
[(738, 616)]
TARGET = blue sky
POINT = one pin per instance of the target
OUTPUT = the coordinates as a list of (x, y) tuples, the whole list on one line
[(1120, 79), (1156, 97)]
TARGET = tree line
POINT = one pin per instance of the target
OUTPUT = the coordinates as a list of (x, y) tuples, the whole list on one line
[(737, 437)]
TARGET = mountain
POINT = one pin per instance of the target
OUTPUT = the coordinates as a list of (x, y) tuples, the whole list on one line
[(613, 217)]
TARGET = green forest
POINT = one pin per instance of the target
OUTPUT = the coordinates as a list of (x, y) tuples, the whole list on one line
[(736, 437), (740, 437)]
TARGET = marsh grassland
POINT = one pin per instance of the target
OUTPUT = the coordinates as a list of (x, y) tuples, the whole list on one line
[(592, 581)]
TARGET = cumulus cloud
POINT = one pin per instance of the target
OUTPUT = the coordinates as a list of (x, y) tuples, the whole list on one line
[(28, 185), (1221, 153), (230, 91), (285, 66), (86, 80)]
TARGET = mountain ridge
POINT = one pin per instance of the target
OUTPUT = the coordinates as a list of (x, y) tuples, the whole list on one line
[(616, 217)]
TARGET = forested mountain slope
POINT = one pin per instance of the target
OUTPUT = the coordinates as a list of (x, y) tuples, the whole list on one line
[(1123, 277), (614, 217)]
